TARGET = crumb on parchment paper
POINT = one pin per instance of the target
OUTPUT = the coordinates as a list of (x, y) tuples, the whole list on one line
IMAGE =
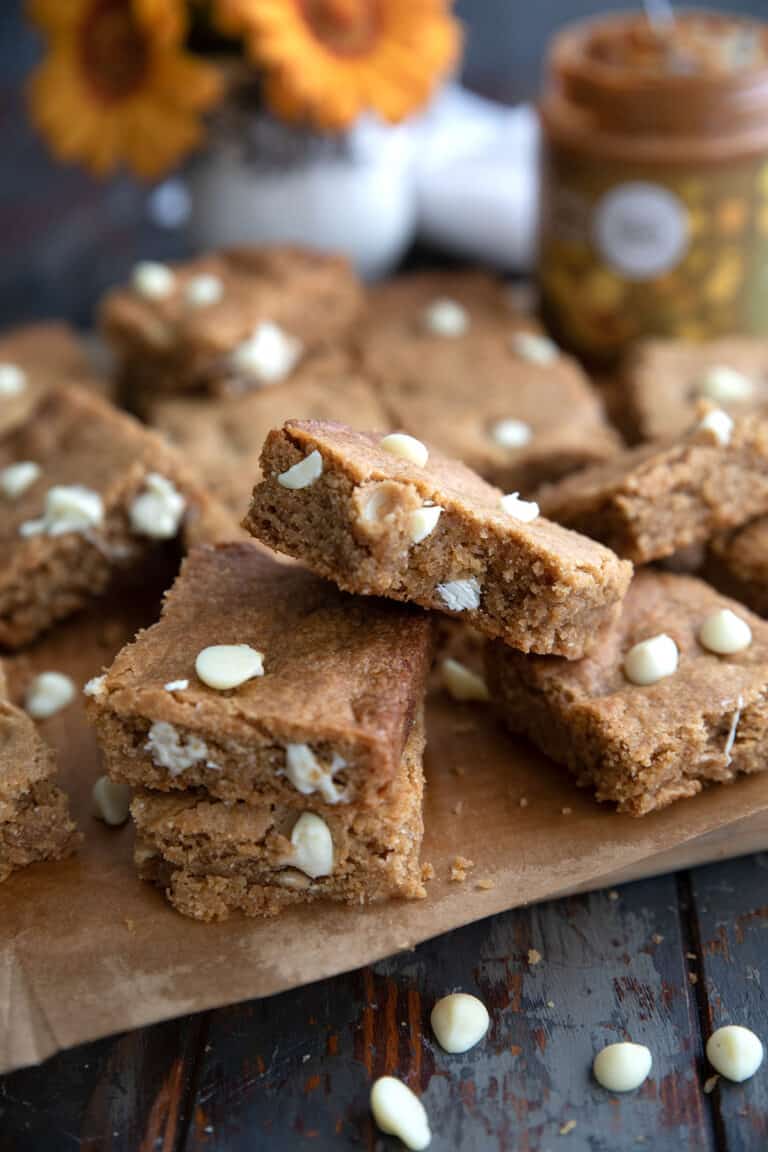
[(534, 956), (485, 884), (567, 1127), (461, 865), (427, 871)]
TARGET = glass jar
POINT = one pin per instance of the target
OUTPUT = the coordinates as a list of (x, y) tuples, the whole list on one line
[(655, 181)]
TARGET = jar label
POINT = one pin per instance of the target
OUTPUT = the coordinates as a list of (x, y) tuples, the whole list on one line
[(641, 229)]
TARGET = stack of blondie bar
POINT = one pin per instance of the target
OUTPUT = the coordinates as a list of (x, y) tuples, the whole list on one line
[(375, 446)]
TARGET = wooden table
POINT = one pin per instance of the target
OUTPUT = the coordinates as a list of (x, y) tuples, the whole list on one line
[(661, 961)]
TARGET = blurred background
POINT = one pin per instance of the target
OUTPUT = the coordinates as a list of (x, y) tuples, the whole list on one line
[(65, 236)]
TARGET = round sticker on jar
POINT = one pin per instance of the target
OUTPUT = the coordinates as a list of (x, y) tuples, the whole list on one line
[(641, 229)]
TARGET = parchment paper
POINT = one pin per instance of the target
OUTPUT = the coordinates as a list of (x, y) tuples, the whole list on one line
[(86, 949)]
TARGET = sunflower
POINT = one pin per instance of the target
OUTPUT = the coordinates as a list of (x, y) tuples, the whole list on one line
[(117, 86), (325, 61)]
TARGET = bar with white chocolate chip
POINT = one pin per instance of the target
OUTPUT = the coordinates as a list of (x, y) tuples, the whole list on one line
[(390, 516), (231, 321), (88, 494), (212, 858), (672, 698), (296, 694)]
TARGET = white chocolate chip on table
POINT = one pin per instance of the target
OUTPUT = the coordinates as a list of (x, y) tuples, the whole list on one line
[(268, 355), (48, 694), (651, 660), (312, 845), (725, 633), (461, 682), (304, 473), (158, 510), (622, 1067), (153, 281), (534, 348), (112, 801), (17, 478), (512, 433), (735, 1052), (399, 1112), (459, 1022), (720, 424), (68, 508), (13, 380), (523, 510), (405, 447), (723, 384), (445, 317), (225, 666)]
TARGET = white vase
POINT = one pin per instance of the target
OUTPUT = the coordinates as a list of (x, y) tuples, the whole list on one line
[(264, 182)]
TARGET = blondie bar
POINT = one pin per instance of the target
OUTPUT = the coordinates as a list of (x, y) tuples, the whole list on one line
[(213, 858), (86, 492), (424, 528), (659, 499), (326, 722), (736, 563), (34, 813), (230, 321), (642, 745), (664, 379), (450, 354)]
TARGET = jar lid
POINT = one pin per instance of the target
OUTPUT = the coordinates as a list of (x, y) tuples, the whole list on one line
[(702, 73)]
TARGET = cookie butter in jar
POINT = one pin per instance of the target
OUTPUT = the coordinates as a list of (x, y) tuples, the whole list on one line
[(655, 181)]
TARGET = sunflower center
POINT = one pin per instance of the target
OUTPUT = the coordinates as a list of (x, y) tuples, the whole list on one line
[(114, 50), (346, 27)]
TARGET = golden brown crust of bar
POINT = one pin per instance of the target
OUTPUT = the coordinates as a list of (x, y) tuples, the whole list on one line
[(643, 747), (540, 587), (345, 676), (653, 501), (454, 391)]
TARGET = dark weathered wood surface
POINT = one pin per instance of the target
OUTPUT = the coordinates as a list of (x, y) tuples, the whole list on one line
[(660, 961)]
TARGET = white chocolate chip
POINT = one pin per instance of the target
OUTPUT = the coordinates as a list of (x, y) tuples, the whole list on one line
[(458, 595), (308, 775), (461, 682), (176, 685), (735, 1052), (152, 280), (725, 633), (268, 355), (169, 749), (720, 424), (622, 1067), (512, 433), (723, 383), (312, 846), (651, 660), (112, 801), (13, 380), (17, 478), (459, 1021), (304, 473), (225, 666), (523, 510), (95, 687), (534, 348), (68, 508), (203, 290), (48, 694), (406, 447), (399, 1112), (423, 522), (446, 317), (158, 510)]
